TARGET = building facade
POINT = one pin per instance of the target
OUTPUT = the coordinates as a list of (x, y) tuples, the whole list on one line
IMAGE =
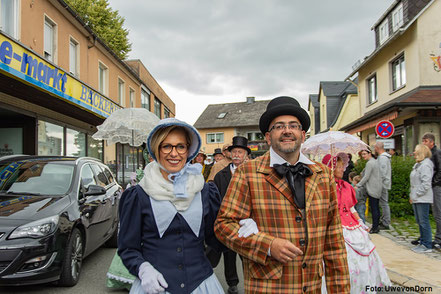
[(58, 81), (401, 80), (219, 123)]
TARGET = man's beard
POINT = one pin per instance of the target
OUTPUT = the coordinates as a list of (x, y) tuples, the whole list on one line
[(287, 149)]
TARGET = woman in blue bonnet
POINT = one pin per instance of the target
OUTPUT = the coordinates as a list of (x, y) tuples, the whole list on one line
[(167, 217)]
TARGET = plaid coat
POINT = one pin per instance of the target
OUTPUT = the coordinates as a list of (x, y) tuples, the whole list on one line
[(257, 192)]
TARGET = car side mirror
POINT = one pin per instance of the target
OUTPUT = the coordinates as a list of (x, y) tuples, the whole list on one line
[(94, 190)]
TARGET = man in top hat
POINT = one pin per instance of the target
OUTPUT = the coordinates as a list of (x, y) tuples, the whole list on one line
[(293, 201), (218, 166), (218, 155), (239, 152)]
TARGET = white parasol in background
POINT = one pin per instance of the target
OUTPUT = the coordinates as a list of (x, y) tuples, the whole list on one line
[(332, 142), (127, 126)]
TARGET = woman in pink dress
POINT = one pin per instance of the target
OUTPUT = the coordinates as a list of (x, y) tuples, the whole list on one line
[(365, 265)]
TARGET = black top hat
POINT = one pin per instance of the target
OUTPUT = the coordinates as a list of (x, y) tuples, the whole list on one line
[(283, 106), (241, 142), (217, 151)]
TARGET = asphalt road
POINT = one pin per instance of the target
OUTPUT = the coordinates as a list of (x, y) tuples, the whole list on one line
[(93, 278)]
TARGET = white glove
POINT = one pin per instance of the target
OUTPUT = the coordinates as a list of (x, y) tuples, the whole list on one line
[(152, 281), (247, 227), (363, 226)]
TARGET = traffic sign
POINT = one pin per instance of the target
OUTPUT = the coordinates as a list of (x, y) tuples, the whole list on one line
[(384, 129)]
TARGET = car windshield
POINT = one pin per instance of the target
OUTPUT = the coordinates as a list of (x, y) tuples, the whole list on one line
[(35, 177)]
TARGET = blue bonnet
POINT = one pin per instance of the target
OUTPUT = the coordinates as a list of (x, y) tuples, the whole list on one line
[(195, 137)]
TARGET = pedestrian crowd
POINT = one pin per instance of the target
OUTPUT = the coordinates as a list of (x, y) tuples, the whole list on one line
[(297, 225)]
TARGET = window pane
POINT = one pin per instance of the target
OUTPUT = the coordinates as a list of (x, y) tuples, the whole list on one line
[(87, 176), (403, 71), (132, 98), (145, 99), (94, 148), (8, 17), (157, 108), (73, 58), (259, 136), (121, 93), (102, 78), (49, 41), (50, 139), (99, 175), (109, 175)]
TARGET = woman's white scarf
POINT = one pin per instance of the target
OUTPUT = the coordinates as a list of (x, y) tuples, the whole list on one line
[(160, 189)]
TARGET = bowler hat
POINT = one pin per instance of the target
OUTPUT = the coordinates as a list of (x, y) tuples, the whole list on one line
[(240, 142), (283, 105), (217, 151)]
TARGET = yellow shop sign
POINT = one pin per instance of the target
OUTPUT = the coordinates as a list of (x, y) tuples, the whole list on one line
[(21, 63)]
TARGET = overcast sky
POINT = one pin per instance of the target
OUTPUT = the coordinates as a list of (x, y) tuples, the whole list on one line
[(221, 51)]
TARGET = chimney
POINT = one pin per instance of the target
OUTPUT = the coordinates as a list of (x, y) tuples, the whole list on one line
[(250, 100)]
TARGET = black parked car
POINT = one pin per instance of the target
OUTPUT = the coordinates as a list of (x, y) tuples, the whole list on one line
[(54, 211)]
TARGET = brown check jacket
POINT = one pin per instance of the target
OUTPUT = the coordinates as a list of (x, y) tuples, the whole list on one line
[(257, 192)]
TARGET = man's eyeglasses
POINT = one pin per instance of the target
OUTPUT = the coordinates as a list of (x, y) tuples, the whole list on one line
[(282, 126), (180, 148)]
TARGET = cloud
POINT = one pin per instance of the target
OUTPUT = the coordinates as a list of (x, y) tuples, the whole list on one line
[(221, 49)]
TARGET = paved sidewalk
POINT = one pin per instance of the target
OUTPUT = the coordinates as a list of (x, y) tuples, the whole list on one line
[(407, 268)]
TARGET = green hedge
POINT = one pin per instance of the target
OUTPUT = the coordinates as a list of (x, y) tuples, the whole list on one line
[(399, 193)]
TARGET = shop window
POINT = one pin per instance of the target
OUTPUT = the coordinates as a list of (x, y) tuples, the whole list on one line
[(132, 97), (145, 99), (11, 141), (9, 17), (157, 108), (94, 148), (215, 138), (102, 78), (75, 143), (398, 67), (49, 39), (383, 31), (50, 139), (121, 92), (372, 89), (73, 57)]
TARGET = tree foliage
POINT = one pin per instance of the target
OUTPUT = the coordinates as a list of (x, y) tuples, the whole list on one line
[(105, 22)]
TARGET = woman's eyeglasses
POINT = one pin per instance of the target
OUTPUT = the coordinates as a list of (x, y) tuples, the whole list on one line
[(180, 148)]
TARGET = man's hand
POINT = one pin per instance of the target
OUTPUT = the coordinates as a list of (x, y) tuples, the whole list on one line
[(284, 251)]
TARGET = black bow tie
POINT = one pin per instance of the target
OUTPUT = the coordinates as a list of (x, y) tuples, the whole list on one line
[(295, 174)]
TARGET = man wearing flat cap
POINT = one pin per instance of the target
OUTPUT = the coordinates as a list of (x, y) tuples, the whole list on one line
[(293, 201), (239, 153)]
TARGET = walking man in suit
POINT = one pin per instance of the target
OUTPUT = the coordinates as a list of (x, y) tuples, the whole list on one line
[(239, 152), (294, 204)]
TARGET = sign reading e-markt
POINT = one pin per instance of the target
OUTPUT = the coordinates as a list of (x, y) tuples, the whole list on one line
[(21, 63)]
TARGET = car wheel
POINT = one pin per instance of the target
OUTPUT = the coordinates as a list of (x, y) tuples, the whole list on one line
[(113, 241), (73, 259)]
